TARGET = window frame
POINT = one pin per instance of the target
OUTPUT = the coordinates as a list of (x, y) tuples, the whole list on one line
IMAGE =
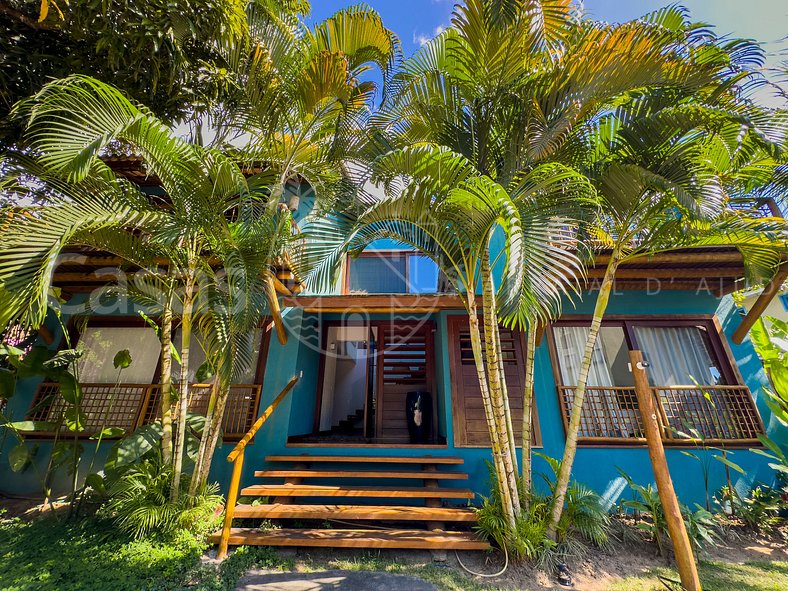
[(718, 348), (406, 253)]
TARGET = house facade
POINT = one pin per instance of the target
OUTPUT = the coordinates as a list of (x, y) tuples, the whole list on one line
[(388, 331)]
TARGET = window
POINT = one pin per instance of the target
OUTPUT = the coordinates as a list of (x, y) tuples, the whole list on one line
[(131, 398), (377, 272), (693, 383)]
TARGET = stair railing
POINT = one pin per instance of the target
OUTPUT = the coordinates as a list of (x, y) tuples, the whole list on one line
[(236, 456)]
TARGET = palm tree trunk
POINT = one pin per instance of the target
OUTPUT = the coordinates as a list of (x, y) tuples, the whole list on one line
[(183, 400), (166, 381), (570, 449), (211, 437), (498, 393), (210, 419), (528, 397), (495, 443)]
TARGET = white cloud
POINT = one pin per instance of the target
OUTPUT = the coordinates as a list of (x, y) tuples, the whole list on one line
[(421, 39)]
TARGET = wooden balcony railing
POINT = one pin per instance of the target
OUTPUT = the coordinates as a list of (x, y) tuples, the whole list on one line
[(715, 414), (130, 406)]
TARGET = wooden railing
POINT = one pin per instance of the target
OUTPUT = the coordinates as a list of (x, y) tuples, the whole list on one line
[(686, 414), (130, 406), (236, 456)]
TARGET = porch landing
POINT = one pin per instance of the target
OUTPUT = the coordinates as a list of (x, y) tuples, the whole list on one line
[(368, 507)]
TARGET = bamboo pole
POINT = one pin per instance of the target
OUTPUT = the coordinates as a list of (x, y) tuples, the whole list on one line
[(667, 495), (229, 510)]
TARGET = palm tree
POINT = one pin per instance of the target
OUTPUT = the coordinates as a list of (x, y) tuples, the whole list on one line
[(669, 165), (440, 204), (204, 190)]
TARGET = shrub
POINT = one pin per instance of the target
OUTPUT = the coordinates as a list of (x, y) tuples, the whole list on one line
[(760, 510), (584, 518), (139, 502), (647, 507)]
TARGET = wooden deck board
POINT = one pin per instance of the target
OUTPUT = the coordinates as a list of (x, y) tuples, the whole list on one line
[(355, 512), (315, 490), (356, 538), (412, 474), (367, 459)]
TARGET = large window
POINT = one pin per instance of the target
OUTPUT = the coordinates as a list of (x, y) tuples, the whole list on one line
[(381, 272), (694, 385), (130, 398)]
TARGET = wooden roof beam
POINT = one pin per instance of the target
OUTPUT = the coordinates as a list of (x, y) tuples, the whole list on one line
[(759, 307)]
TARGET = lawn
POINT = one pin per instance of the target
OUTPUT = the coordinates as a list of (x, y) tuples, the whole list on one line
[(717, 576), (58, 554)]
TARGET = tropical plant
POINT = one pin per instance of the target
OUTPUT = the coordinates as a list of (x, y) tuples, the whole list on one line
[(585, 520), (650, 515), (761, 509), (140, 501), (770, 338)]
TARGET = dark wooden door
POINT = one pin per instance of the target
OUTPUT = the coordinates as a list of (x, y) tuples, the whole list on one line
[(470, 423), (406, 361)]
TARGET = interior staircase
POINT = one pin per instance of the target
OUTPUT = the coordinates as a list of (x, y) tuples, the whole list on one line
[(362, 499)]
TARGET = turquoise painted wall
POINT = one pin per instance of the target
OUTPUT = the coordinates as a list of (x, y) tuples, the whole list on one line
[(594, 466)]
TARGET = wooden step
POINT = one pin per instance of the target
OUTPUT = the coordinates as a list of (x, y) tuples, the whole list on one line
[(413, 474), (354, 512), (367, 459), (317, 490), (356, 538)]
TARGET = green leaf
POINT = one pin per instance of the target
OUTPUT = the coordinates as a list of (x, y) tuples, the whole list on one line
[(19, 457), (7, 383), (133, 447), (75, 419), (730, 464), (122, 359), (62, 359), (204, 373), (96, 482), (109, 433), (33, 426), (33, 363), (70, 389)]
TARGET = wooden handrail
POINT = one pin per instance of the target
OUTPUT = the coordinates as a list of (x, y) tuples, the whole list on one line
[(237, 457), (262, 419)]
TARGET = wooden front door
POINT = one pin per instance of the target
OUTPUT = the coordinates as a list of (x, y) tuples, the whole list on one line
[(470, 423), (406, 361)]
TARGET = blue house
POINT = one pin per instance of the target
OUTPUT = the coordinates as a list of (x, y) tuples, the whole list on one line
[(343, 444)]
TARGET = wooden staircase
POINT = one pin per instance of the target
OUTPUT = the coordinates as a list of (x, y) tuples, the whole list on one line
[(375, 507), (368, 509)]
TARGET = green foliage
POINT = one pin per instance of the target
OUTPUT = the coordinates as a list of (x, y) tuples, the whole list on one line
[(760, 509), (647, 508), (584, 519), (50, 554), (139, 502)]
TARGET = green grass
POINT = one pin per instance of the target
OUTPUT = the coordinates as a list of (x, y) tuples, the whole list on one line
[(717, 576), (50, 554)]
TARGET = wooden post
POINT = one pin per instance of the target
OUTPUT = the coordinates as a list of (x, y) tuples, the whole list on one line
[(667, 495), (229, 509)]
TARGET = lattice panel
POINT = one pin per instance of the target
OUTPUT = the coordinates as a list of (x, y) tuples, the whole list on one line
[(239, 415), (104, 405), (607, 412), (716, 412)]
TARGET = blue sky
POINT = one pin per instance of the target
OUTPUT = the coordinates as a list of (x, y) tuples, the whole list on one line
[(764, 20)]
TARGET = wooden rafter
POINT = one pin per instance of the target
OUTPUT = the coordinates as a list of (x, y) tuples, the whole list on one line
[(763, 301)]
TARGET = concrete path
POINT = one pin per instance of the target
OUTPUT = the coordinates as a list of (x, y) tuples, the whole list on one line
[(331, 580)]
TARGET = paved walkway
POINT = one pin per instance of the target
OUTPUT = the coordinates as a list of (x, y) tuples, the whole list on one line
[(331, 580)]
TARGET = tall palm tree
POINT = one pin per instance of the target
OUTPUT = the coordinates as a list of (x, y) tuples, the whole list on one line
[(669, 163), (204, 189), (440, 204)]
